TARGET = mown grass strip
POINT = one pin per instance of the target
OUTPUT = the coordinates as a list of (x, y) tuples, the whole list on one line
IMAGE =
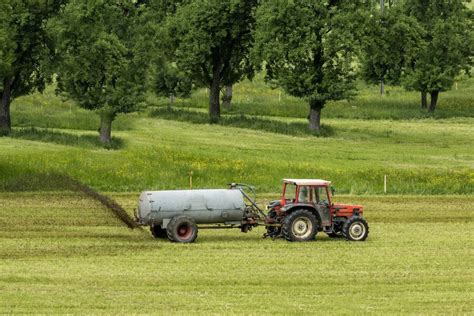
[(61, 253)]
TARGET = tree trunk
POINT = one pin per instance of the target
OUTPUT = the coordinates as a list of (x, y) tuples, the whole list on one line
[(315, 119), (434, 101), (214, 100), (424, 102), (215, 86), (5, 119), (105, 130), (171, 100), (227, 97), (382, 88)]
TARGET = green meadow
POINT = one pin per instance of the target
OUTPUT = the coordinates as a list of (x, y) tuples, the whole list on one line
[(160, 146), (61, 252)]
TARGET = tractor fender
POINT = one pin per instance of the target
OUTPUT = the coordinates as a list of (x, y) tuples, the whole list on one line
[(308, 207)]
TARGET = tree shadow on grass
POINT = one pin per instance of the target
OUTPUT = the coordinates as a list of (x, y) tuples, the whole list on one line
[(242, 121), (62, 138)]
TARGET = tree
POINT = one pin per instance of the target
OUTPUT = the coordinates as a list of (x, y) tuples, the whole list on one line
[(212, 41), (24, 52), (227, 96), (165, 78), (391, 41), (308, 48), (102, 63), (170, 82), (447, 47)]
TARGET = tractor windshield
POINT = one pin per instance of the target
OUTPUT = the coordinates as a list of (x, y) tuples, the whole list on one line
[(305, 194), (321, 194), (290, 192)]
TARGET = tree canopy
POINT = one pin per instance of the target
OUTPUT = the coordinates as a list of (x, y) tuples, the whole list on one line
[(212, 41), (391, 41), (106, 55), (309, 48), (447, 46), (25, 51), (102, 63), (165, 78)]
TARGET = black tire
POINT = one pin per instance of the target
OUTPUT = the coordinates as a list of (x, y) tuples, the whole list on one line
[(355, 229), (182, 229), (158, 232), (301, 225)]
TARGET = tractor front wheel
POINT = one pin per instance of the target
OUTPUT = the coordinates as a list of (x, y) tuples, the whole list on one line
[(301, 225), (182, 229), (356, 229)]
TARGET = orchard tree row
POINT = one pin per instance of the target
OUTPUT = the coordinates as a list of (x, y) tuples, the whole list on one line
[(105, 55)]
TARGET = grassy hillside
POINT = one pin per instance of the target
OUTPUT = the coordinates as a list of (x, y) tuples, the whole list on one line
[(62, 253), (256, 98), (420, 156)]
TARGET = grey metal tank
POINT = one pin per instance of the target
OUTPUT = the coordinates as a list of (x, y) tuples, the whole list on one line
[(204, 206)]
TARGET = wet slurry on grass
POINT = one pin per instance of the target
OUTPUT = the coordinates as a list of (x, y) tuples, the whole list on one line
[(63, 182), (64, 253)]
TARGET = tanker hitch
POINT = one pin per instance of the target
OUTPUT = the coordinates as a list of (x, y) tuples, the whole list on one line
[(252, 208)]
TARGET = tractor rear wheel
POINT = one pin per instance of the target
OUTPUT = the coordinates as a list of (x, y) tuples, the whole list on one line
[(355, 229), (158, 232), (182, 229), (301, 225)]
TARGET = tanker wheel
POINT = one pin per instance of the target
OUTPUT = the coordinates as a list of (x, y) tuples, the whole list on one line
[(182, 229), (158, 232), (301, 225), (355, 229)]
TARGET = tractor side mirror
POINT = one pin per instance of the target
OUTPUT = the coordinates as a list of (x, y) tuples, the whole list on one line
[(333, 190)]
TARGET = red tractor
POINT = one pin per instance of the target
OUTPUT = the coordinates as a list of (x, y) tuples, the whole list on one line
[(306, 207)]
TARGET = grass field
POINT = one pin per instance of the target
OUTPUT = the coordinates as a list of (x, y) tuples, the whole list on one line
[(62, 253), (419, 156), (255, 98)]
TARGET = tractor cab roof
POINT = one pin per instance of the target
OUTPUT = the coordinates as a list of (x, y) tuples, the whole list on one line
[(315, 182)]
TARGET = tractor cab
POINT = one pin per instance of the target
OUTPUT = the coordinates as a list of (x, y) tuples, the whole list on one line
[(306, 207), (306, 191)]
